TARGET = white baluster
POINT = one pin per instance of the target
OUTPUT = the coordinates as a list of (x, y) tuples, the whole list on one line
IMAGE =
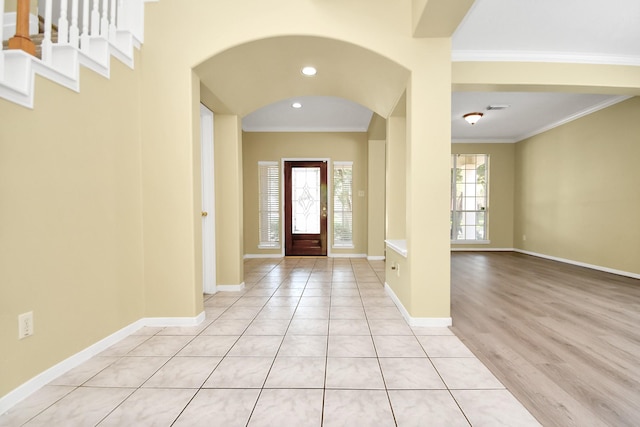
[(84, 40), (74, 31), (46, 42), (63, 24), (104, 19), (112, 21), (95, 19), (121, 24)]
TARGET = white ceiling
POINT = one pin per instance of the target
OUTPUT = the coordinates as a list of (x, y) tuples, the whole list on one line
[(581, 31)]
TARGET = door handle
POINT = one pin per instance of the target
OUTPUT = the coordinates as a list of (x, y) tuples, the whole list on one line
[(204, 213)]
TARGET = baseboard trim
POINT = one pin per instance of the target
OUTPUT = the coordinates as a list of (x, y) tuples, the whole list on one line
[(459, 249), (347, 255), (581, 264), (376, 258), (231, 288), (430, 322), (23, 391), (254, 256)]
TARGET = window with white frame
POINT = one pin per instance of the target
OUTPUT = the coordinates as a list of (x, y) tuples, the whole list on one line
[(469, 198), (343, 204), (269, 205)]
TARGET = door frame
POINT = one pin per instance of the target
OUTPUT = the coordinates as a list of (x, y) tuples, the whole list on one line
[(329, 197), (208, 201)]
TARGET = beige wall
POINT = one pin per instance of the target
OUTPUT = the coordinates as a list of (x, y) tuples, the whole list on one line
[(351, 146), (376, 198), (70, 220), (501, 192), (578, 190)]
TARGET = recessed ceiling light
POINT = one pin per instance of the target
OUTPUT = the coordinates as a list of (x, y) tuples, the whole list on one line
[(309, 71), (296, 105)]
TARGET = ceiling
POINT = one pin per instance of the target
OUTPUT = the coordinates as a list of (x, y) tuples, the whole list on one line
[(580, 31)]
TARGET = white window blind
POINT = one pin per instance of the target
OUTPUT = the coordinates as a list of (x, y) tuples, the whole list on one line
[(469, 198), (269, 205), (342, 204)]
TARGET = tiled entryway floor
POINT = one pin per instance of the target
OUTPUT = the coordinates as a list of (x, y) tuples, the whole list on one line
[(309, 342)]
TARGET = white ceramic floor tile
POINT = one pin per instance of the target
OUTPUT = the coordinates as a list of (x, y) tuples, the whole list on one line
[(227, 327), (362, 408), (285, 312), (149, 407), (124, 346), (349, 327), (85, 406), (398, 346), (354, 373), (183, 372), (245, 312), (351, 346), (304, 346), (209, 346), (79, 375), (240, 372), (268, 327), (288, 408), (465, 374), (263, 346), (128, 372), (423, 330), (444, 346), (389, 327), (161, 346), (347, 313), (309, 327), (297, 372), (33, 405), (493, 408), (219, 408), (410, 373), (375, 312), (435, 408)]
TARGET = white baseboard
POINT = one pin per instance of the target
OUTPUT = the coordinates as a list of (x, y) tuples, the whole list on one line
[(376, 258), (347, 255), (581, 264), (34, 384), (461, 249), (252, 256), (430, 322), (231, 288)]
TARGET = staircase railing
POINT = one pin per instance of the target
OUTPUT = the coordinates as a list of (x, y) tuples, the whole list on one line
[(74, 33)]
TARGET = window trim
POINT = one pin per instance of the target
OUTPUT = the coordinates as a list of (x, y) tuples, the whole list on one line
[(486, 211)]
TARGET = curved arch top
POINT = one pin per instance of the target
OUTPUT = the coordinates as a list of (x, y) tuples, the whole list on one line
[(249, 76)]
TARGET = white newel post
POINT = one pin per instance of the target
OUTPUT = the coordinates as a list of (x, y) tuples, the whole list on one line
[(95, 18), (46, 42), (104, 19), (112, 21), (74, 31), (84, 39), (63, 23)]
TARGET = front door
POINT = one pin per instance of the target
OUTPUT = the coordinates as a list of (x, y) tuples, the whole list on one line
[(305, 198)]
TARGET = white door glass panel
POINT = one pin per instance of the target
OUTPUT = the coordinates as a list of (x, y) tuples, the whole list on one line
[(305, 195)]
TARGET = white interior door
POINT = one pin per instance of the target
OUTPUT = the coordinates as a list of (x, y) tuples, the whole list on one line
[(208, 202)]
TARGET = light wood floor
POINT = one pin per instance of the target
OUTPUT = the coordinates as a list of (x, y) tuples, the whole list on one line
[(565, 340)]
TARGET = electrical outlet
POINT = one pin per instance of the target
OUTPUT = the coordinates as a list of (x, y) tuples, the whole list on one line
[(524, 237), (25, 325)]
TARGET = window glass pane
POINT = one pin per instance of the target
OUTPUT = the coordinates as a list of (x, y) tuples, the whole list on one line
[(305, 185), (469, 196), (342, 204)]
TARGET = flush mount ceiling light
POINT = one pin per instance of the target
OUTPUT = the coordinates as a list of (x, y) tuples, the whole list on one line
[(296, 105), (309, 71), (472, 118)]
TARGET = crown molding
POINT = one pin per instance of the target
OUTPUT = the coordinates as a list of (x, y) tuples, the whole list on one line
[(304, 129), (579, 114), (559, 57), (484, 140)]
